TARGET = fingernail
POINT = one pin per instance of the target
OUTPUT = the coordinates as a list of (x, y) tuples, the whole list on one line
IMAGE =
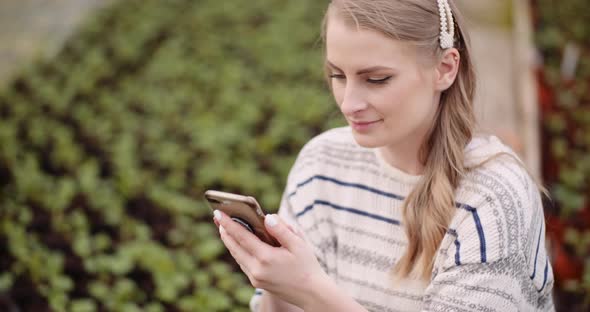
[(270, 220), (221, 229), (217, 215)]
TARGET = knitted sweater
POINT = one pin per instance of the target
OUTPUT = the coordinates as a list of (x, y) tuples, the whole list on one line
[(347, 200)]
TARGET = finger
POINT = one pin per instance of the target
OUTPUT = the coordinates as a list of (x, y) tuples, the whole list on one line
[(300, 233), (216, 223), (250, 242), (290, 227), (295, 230), (243, 258), (280, 230)]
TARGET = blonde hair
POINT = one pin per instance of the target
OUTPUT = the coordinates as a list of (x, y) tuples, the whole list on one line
[(429, 208)]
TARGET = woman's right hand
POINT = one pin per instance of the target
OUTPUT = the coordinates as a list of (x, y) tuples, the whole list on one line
[(290, 272), (270, 303)]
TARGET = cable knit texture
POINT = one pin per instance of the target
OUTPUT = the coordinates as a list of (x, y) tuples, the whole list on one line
[(347, 200)]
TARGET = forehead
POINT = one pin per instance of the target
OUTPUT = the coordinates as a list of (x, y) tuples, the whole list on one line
[(350, 47)]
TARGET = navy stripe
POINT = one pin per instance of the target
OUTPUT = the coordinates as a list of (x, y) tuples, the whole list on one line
[(354, 185), (457, 246), (301, 184), (480, 233), (257, 292), (464, 206), (305, 210), (479, 227), (351, 210), (364, 187), (545, 277), (537, 254), (482, 239)]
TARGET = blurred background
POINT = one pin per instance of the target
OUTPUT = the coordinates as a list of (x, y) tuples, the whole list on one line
[(116, 116)]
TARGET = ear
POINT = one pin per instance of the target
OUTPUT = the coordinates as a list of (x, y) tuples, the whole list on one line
[(447, 69)]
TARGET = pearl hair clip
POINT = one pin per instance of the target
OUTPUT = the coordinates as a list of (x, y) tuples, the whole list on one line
[(447, 24)]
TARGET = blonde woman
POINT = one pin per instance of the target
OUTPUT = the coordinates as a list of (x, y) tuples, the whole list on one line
[(405, 209)]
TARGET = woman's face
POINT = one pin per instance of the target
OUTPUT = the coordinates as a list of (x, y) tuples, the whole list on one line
[(387, 97)]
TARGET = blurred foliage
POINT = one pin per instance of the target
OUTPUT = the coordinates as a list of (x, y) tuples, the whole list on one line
[(563, 37), (107, 149)]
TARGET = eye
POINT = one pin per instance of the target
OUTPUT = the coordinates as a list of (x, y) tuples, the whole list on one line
[(379, 81), (337, 76)]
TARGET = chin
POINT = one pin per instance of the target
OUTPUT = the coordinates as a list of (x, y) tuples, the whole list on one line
[(367, 140)]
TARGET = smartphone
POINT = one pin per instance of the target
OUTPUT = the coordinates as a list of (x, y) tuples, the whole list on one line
[(244, 210)]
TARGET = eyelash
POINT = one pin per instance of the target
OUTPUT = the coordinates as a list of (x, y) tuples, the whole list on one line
[(373, 81)]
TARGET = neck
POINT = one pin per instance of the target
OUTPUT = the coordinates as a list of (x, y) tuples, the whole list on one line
[(404, 157)]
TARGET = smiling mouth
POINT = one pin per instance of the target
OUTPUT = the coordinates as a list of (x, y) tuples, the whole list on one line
[(365, 123), (364, 126)]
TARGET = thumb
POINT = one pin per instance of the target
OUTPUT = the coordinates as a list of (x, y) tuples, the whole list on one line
[(280, 230)]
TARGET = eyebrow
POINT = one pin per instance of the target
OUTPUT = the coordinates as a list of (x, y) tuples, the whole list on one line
[(362, 71)]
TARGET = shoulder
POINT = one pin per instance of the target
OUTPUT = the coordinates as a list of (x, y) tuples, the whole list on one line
[(495, 173), (498, 230), (499, 204)]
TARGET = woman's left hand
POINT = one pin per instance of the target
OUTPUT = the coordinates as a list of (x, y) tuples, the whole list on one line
[(290, 272)]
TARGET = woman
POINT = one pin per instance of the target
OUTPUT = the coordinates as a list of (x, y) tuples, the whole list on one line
[(405, 209)]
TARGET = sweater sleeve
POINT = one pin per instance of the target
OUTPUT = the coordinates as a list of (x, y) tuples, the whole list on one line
[(493, 258), (495, 286), (293, 202)]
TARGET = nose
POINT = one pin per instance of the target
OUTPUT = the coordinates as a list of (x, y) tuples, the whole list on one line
[(353, 100)]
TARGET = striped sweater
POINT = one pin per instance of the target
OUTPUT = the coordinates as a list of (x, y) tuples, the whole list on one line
[(347, 200)]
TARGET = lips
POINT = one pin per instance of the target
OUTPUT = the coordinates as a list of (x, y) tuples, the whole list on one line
[(364, 123), (364, 126)]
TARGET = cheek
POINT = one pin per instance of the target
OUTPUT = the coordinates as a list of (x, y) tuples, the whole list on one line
[(406, 103), (391, 100), (338, 92)]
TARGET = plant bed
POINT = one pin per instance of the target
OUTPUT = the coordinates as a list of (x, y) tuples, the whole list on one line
[(563, 79), (108, 147)]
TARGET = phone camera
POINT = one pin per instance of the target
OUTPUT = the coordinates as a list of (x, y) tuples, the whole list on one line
[(244, 224)]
